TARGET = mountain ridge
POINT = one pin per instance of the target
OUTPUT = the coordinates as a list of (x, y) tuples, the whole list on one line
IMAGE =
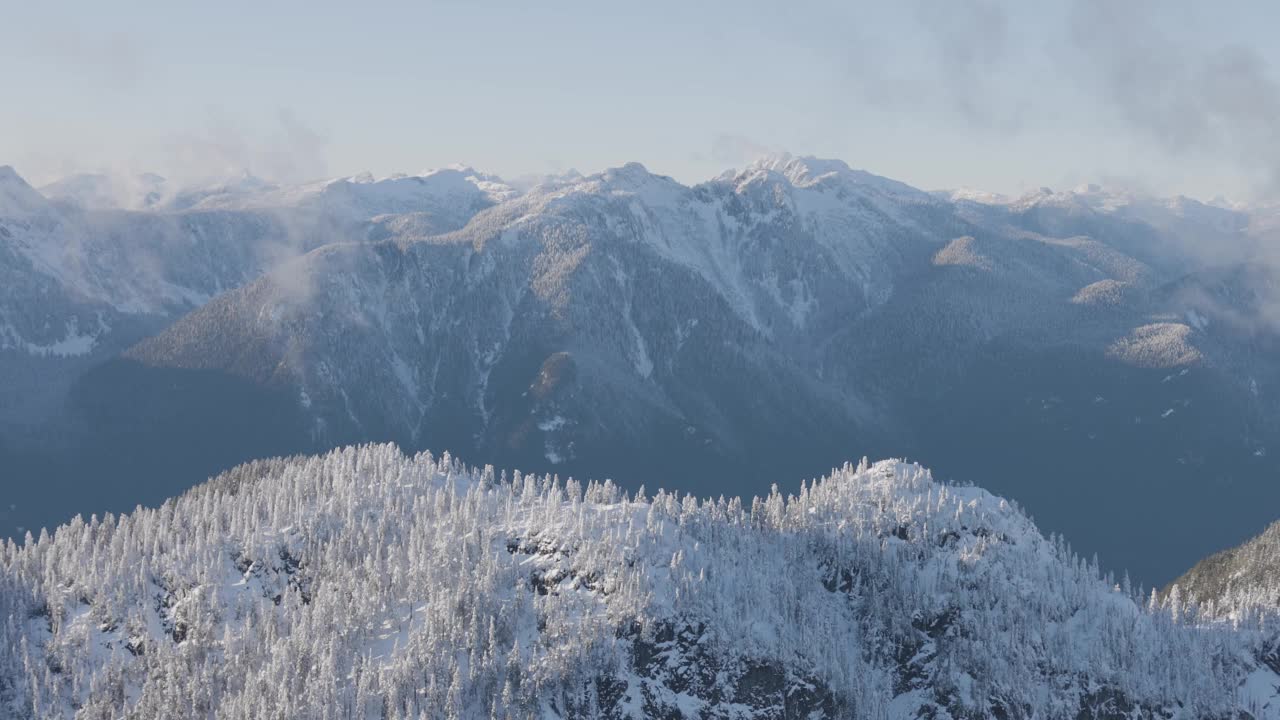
[(331, 586), (1236, 582)]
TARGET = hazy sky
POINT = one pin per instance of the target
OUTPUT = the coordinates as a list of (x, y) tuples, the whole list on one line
[(1168, 96)]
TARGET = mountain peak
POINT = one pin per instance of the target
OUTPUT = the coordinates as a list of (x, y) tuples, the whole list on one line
[(632, 172), (800, 170), (807, 171), (633, 178), (17, 197)]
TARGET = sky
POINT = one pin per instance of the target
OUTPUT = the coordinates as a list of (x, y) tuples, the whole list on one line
[(1165, 97)]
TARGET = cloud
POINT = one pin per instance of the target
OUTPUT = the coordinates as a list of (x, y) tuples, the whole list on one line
[(971, 44), (1184, 96), (1223, 101), (948, 58), (737, 150), (287, 151), (296, 151)]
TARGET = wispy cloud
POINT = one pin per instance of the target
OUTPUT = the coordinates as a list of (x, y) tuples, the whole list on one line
[(289, 151), (970, 43), (733, 150), (1222, 100)]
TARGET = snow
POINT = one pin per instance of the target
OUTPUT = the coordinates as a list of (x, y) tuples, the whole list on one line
[(640, 359), (1260, 692), (552, 424), (73, 342), (17, 198), (983, 197), (809, 171), (404, 374)]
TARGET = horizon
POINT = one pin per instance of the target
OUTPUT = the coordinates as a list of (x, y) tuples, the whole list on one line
[(527, 181)]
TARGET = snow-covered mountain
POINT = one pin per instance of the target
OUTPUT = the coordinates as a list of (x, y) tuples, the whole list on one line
[(716, 337), (437, 200), (17, 198), (80, 285), (86, 274), (174, 259), (364, 583)]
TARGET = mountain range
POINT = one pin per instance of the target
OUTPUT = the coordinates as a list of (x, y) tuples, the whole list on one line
[(1105, 358)]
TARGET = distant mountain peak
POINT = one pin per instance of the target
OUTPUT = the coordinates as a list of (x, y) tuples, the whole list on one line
[(363, 178), (968, 194), (800, 170), (17, 197), (632, 173), (804, 172), (628, 179)]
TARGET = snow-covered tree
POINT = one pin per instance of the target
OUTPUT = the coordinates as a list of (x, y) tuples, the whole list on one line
[(369, 584)]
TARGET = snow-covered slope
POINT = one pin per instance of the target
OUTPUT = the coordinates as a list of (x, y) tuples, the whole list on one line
[(72, 274), (17, 198), (78, 286), (166, 263), (1237, 581), (368, 584), (81, 280)]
